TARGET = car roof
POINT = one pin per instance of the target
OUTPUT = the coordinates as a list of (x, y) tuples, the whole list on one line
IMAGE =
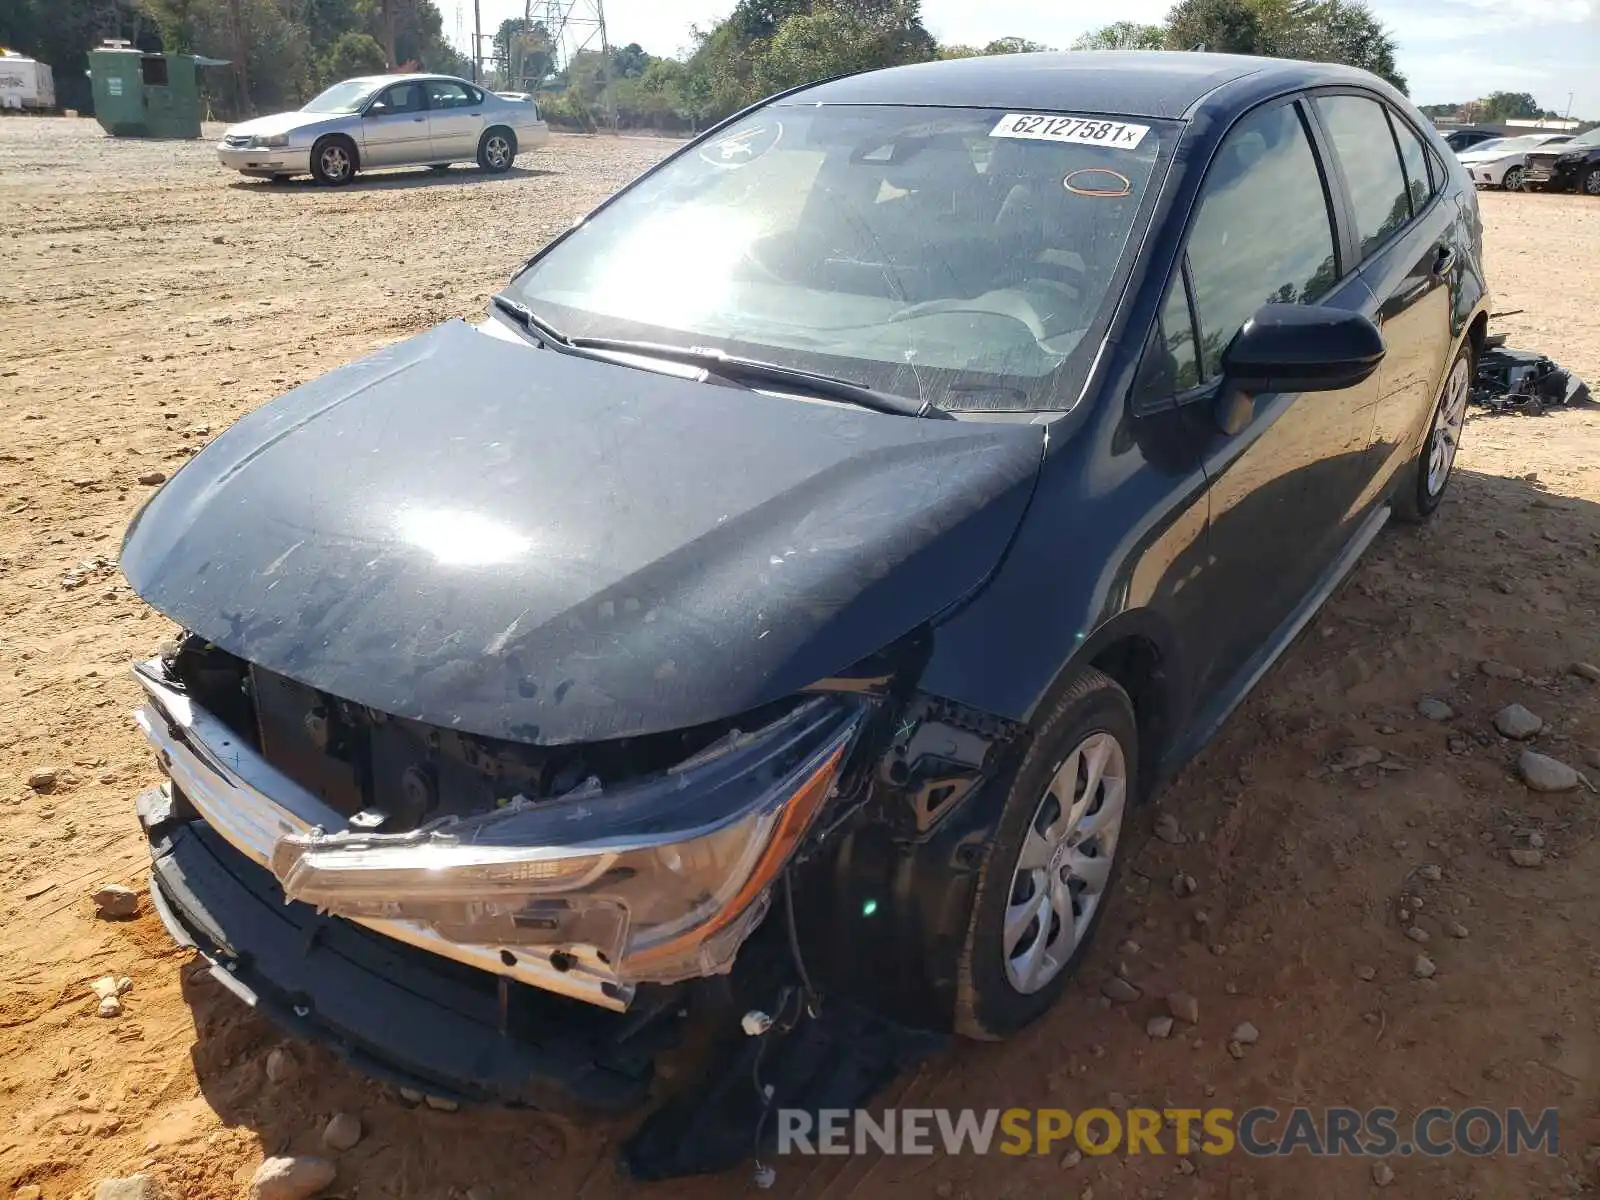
[(405, 77), (1148, 83)]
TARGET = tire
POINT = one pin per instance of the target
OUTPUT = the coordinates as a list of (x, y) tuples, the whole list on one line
[(497, 150), (1003, 987), (1427, 478), (1512, 182), (1590, 186), (334, 161)]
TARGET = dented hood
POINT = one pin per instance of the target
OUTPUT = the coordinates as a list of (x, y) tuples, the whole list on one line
[(523, 544)]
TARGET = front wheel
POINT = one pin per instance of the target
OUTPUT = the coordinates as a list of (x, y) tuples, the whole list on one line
[(1513, 180), (333, 161), (497, 150), (1591, 182), (1430, 472), (1052, 864)]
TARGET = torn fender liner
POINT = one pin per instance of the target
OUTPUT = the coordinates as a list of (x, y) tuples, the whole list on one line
[(391, 1011), (522, 544)]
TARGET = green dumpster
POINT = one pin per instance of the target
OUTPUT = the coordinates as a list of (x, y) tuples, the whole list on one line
[(146, 95)]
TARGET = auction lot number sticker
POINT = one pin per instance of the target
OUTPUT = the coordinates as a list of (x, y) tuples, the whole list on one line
[(1085, 131)]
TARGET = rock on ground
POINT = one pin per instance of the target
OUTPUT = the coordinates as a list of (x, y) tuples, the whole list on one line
[(1586, 671), (1245, 1034), (1184, 1007), (133, 1187), (1524, 857), (1545, 774), (1382, 1174), (1159, 1027), (114, 902), (43, 780), (1499, 670), (1435, 710), (1119, 990), (1517, 723), (1423, 968), (342, 1132), (291, 1177), (1167, 830), (280, 1065)]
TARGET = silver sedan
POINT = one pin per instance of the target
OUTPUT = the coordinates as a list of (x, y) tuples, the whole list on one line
[(386, 121)]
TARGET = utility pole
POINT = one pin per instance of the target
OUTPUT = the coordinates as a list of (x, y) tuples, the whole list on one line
[(1570, 95), (477, 41), (241, 74)]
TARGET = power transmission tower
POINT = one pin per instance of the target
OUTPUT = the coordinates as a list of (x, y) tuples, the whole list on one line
[(575, 26)]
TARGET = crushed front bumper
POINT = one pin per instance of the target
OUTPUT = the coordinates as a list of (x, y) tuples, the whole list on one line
[(251, 805), (391, 1010)]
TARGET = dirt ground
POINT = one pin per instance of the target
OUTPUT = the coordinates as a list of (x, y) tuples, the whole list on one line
[(149, 299)]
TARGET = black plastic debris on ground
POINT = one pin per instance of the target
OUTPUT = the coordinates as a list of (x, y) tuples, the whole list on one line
[(1523, 381), (838, 1059)]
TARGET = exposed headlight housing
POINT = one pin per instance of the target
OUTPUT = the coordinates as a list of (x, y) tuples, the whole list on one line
[(1569, 158), (269, 142), (664, 879)]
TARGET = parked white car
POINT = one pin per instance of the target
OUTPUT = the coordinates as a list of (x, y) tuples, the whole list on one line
[(1502, 162), (386, 121)]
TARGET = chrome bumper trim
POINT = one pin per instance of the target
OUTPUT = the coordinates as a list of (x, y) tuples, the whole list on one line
[(252, 804)]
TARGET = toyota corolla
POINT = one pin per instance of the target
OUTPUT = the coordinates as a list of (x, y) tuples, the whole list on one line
[(804, 571)]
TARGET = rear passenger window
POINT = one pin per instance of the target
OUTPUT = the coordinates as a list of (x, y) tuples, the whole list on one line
[(1264, 230), (1360, 132), (1415, 160)]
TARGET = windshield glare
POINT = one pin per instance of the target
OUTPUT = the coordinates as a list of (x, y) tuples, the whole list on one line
[(346, 97), (1586, 139), (960, 256)]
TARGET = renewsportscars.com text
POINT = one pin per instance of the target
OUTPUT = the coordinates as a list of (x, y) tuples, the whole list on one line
[(1260, 1132)]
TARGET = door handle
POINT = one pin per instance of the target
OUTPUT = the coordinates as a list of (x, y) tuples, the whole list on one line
[(1444, 262)]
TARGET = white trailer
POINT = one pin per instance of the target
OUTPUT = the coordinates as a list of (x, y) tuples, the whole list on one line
[(26, 83)]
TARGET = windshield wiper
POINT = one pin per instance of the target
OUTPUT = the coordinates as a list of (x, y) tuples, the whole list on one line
[(731, 367), (737, 369), (532, 321)]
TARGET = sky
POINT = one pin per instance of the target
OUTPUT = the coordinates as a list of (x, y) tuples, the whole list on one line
[(1449, 49)]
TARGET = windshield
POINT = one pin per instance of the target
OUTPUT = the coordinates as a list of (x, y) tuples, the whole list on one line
[(1586, 139), (964, 257), (1513, 145), (1491, 145), (346, 97)]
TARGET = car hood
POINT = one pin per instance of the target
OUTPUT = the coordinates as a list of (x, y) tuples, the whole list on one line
[(286, 122), (523, 544)]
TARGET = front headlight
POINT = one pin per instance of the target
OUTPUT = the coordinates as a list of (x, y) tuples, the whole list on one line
[(1569, 158), (664, 878), (266, 142)]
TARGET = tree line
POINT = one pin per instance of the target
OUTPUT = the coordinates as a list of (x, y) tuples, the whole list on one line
[(286, 50), (766, 45)]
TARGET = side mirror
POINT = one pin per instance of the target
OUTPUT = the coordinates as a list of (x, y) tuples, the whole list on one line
[(1300, 348)]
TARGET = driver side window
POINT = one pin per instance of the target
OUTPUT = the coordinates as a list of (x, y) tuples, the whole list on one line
[(1262, 234), (402, 98)]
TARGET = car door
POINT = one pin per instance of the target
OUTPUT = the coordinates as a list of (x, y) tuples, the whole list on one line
[(1402, 227), (394, 128), (1286, 487), (455, 119)]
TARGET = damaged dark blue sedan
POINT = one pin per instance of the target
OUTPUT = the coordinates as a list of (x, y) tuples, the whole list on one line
[(775, 610)]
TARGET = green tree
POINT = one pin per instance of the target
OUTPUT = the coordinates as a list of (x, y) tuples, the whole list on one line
[(351, 55), (1219, 26), (1123, 35), (1499, 107), (1343, 31), (1014, 45), (838, 39)]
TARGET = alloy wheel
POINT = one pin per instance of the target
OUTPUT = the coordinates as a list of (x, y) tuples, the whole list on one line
[(1447, 426), (335, 160), (1513, 180), (497, 151), (1065, 865), (1591, 182)]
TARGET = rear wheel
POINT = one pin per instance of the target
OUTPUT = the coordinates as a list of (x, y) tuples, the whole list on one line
[(1430, 472), (333, 161), (1513, 180), (1052, 864), (497, 149)]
